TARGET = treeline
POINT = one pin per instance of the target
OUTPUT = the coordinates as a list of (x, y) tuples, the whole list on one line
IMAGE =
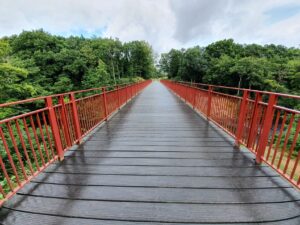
[(36, 63), (269, 67)]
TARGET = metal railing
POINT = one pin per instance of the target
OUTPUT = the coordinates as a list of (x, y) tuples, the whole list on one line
[(31, 141), (255, 119)]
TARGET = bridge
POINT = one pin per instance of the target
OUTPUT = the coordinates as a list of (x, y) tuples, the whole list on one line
[(152, 153)]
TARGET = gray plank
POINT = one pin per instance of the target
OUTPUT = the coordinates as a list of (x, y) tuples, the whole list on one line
[(159, 212), (161, 195), (162, 181), (163, 171)]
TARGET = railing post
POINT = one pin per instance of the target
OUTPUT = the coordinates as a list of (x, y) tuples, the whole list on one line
[(118, 93), (267, 125), (75, 118), (104, 102), (241, 119), (209, 101), (64, 120), (54, 128)]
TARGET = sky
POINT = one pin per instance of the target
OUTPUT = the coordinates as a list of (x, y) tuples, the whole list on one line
[(165, 24)]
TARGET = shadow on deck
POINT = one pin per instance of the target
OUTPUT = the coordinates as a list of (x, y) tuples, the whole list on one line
[(155, 162)]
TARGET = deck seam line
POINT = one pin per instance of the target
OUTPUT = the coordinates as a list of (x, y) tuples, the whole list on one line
[(152, 186), (159, 202), (151, 221), (148, 165), (153, 175)]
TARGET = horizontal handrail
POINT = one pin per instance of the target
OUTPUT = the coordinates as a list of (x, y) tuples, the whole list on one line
[(33, 140), (63, 94), (239, 89), (255, 120)]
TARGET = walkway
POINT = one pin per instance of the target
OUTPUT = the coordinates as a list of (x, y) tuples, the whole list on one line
[(155, 162)]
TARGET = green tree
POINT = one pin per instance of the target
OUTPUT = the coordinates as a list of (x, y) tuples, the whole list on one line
[(97, 77), (13, 83)]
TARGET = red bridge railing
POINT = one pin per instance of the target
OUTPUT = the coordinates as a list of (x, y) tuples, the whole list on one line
[(31, 141), (254, 119)]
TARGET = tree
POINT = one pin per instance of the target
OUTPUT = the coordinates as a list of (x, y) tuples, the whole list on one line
[(269, 67), (193, 65), (170, 62), (97, 77), (138, 56), (13, 83)]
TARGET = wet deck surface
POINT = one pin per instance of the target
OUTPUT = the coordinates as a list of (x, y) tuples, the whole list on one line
[(155, 162)]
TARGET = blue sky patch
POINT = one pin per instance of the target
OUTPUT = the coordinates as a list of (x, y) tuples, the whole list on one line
[(278, 14), (84, 32)]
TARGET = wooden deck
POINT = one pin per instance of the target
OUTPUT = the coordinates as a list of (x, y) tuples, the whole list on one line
[(155, 162)]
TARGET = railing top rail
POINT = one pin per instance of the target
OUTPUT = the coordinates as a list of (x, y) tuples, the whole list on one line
[(243, 89), (60, 94)]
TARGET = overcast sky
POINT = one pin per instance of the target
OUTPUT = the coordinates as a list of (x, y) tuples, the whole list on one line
[(164, 24)]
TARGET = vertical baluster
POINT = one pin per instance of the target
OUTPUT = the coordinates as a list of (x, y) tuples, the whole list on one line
[(104, 102), (9, 182), (48, 134), (12, 137), (63, 115), (241, 119), (31, 144), (75, 118), (2, 192), (254, 121), (287, 134), (118, 93), (10, 159), (37, 140), (209, 101), (292, 146), (42, 136), (24, 147), (273, 135), (279, 138)]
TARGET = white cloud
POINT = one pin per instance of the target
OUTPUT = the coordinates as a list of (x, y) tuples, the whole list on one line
[(163, 23)]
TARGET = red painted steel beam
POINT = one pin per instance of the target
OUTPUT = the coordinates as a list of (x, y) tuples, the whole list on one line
[(54, 128)]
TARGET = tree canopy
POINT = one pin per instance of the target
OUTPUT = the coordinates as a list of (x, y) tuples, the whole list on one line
[(37, 63), (269, 67)]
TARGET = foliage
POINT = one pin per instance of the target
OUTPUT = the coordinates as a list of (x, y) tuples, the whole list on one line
[(269, 67), (36, 63)]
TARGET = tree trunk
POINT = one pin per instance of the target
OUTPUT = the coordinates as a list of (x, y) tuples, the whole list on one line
[(239, 85), (113, 72)]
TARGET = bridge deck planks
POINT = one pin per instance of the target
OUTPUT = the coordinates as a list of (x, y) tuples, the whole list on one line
[(155, 162)]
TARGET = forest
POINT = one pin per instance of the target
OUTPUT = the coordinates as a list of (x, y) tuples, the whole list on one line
[(36, 63), (269, 67)]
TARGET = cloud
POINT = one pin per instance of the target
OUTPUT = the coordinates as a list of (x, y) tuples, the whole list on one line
[(245, 21), (197, 19), (164, 24)]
